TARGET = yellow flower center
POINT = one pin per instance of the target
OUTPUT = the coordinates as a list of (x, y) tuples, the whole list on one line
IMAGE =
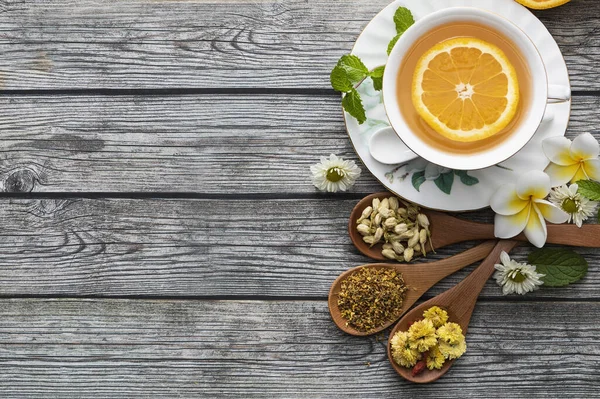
[(569, 205), (335, 174), (517, 276)]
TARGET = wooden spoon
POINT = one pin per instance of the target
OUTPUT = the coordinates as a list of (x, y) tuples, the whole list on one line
[(447, 230), (459, 301), (418, 278)]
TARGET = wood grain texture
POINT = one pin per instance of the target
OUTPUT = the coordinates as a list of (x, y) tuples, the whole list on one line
[(191, 143), (58, 44), (188, 247), (122, 348)]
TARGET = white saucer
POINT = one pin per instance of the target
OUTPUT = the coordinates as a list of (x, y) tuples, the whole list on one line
[(466, 191)]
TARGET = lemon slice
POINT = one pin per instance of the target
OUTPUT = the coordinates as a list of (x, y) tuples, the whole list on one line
[(542, 4), (466, 89)]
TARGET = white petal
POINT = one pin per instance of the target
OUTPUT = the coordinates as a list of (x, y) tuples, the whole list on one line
[(551, 212), (592, 169), (505, 200), (510, 226), (504, 258), (584, 147), (573, 188), (536, 231), (534, 184), (557, 149), (560, 175)]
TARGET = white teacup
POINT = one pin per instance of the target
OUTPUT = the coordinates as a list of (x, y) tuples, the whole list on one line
[(388, 149)]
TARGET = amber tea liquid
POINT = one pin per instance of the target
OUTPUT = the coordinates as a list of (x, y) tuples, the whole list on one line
[(440, 34)]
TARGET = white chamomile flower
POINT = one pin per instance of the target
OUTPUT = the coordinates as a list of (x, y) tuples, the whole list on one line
[(515, 277), (334, 174), (569, 200)]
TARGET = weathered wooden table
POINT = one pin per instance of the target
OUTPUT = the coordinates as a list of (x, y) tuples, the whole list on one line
[(161, 237)]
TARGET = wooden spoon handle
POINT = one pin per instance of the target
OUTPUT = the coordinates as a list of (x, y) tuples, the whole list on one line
[(449, 230), (445, 267), (569, 234), (463, 296)]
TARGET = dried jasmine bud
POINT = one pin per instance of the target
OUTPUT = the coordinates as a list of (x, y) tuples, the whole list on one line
[(423, 236), (369, 240), (393, 202), (385, 204), (397, 225), (389, 253), (408, 254), (378, 235), (363, 229), (423, 220), (390, 223), (377, 220), (398, 248), (385, 212), (376, 203), (400, 228), (365, 214)]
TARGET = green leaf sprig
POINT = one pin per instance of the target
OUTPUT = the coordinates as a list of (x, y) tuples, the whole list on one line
[(347, 75), (350, 71), (403, 19), (590, 190), (560, 266)]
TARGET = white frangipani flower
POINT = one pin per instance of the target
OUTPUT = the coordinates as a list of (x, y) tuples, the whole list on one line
[(572, 161), (523, 207), (334, 174), (577, 206), (515, 277)]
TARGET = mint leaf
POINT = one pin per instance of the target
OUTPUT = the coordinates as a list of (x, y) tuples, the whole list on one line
[(561, 266), (392, 43), (352, 103), (418, 179), (354, 67), (339, 80), (403, 19), (445, 182), (589, 189), (377, 77), (465, 178)]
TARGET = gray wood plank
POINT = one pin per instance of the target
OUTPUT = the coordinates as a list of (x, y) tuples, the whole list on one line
[(193, 143), (123, 348), (58, 44), (187, 247)]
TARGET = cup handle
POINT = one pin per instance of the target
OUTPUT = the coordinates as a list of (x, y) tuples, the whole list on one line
[(558, 94)]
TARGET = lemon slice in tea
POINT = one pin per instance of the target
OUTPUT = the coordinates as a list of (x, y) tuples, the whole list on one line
[(466, 89)]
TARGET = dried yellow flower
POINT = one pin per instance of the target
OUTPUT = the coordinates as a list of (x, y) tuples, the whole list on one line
[(453, 351), (451, 341), (421, 335), (435, 359), (437, 315), (450, 333), (402, 353)]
